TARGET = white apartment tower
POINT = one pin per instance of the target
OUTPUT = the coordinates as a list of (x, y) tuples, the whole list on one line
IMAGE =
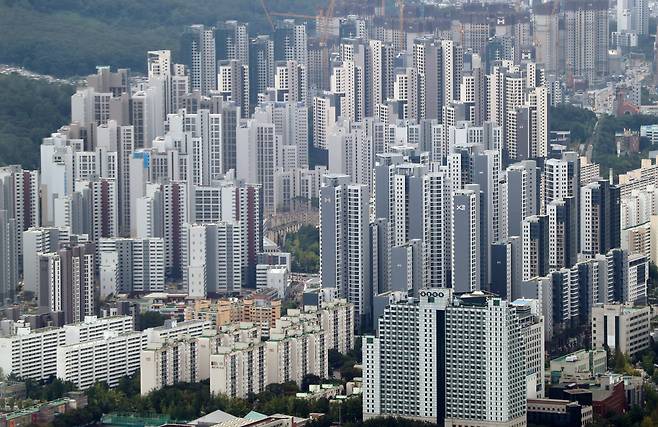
[(131, 265), (216, 257), (291, 82), (166, 364), (586, 45), (433, 360), (106, 359), (258, 156), (199, 47), (344, 242)]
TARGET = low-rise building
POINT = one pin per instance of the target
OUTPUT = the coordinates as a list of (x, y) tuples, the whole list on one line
[(627, 142), (621, 327), (322, 391), (608, 396), (43, 413), (650, 132), (257, 308), (252, 419), (261, 310), (272, 277), (579, 365), (557, 412)]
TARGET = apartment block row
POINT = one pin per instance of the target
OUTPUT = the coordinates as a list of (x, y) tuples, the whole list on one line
[(239, 360), (96, 349)]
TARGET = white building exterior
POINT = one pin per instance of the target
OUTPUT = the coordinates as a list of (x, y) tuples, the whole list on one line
[(32, 354), (108, 359), (165, 364)]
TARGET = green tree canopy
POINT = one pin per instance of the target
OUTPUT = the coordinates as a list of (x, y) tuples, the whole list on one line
[(304, 247), (29, 111)]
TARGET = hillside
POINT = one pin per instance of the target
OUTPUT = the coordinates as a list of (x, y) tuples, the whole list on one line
[(29, 111), (70, 37)]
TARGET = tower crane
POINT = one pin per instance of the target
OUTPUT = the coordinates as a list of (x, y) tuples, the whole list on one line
[(323, 18)]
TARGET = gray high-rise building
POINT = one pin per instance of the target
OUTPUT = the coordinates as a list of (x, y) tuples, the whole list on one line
[(8, 257), (37, 241), (586, 33), (199, 55), (535, 236), (290, 82), (466, 242), (486, 174), (318, 65), (345, 243), (380, 57), (233, 84), (439, 64), (407, 267), (633, 16), (290, 42), (230, 113), (66, 281), (20, 196), (415, 204), (599, 218), (380, 256), (546, 34), (232, 41), (563, 228), (261, 67), (522, 194), (507, 267), (561, 180)]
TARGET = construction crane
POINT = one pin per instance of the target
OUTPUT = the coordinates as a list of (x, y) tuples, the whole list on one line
[(267, 14), (400, 5), (323, 18), (328, 17), (294, 15)]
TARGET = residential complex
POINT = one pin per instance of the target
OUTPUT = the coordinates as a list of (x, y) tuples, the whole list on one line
[(395, 177)]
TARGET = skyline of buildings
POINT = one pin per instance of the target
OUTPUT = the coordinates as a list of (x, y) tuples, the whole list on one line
[(460, 235)]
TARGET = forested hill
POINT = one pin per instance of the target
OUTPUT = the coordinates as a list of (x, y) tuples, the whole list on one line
[(29, 110), (70, 37)]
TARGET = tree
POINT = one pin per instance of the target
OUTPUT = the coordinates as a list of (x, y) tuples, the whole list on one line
[(49, 389), (622, 364), (304, 245), (309, 379), (29, 111), (130, 386), (604, 146), (335, 359), (647, 362), (348, 372), (579, 121), (136, 26), (150, 319)]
